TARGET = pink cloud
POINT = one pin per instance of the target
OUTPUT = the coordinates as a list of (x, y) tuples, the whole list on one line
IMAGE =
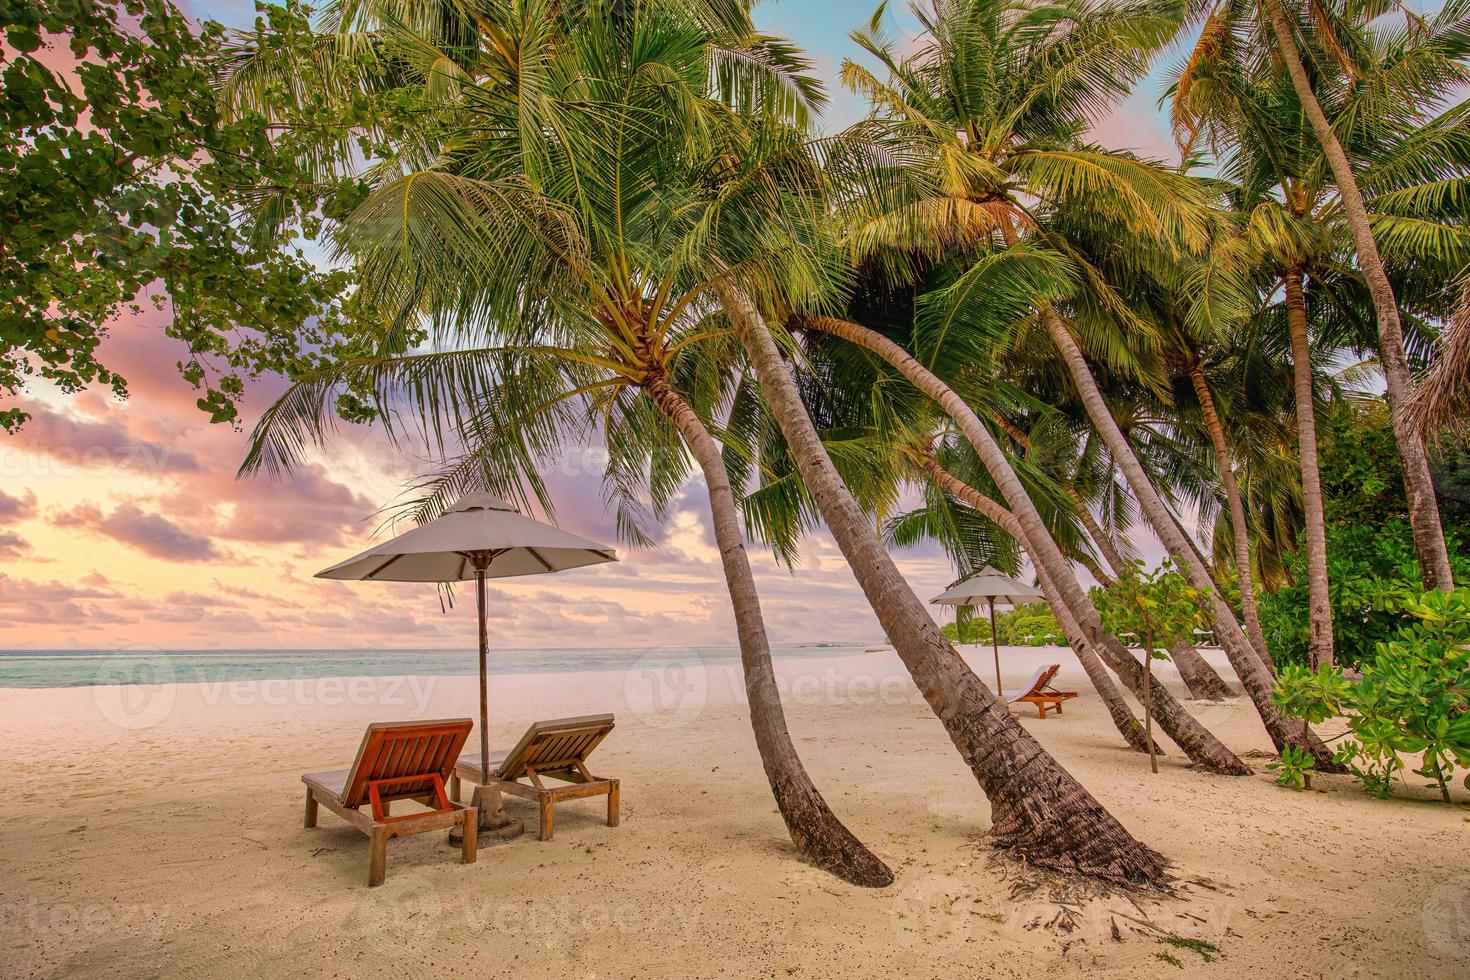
[(152, 534)]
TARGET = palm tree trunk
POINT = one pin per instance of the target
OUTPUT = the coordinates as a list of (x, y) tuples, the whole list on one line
[(1434, 561), (1320, 641), (1240, 534), (1197, 674), (1103, 540), (1057, 579), (1038, 810), (1253, 674), (1128, 726), (815, 830)]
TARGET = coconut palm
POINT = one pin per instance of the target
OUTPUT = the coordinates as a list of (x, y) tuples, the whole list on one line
[(974, 137), (1298, 223), (913, 442), (588, 177), (1071, 831), (543, 210), (1364, 90)]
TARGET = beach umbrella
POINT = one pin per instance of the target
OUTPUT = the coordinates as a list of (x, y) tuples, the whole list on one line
[(478, 538), (990, 587)]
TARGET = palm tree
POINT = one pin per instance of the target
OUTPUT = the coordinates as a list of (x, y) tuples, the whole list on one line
[(1425, 63), (1029, 529), (1299, 222), (974, 137), (1037, 807), (912, 443), (544, 207)]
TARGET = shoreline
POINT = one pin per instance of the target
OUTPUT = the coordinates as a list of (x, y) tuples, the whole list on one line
[(151, 667)]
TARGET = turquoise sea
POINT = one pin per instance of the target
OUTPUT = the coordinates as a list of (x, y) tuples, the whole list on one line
[(82, 668)]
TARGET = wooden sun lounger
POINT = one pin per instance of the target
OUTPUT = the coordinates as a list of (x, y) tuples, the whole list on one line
[(556, 749), (1039, 691), (406, 760)]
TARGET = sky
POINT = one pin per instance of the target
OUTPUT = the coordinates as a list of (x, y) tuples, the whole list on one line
[(123, 526)]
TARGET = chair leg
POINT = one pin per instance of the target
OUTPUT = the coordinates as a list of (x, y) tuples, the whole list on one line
[(547, 828), (454, 787), (377, 856), (1041, 709), (310, 809), (471, 836), (612, 804)]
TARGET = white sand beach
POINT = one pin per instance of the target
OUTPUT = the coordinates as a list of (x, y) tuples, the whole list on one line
[(150, 826)]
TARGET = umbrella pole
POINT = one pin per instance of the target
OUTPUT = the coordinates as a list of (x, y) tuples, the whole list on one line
[(995, 646), (480, 600)]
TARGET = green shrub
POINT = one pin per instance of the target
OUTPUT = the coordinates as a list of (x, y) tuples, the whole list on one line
[(1413, 698), (1371, 572), (1030, 625)]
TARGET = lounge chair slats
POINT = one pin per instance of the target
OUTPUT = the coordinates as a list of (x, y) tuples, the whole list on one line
[(1038, 691), (557, 749), (397, 761)]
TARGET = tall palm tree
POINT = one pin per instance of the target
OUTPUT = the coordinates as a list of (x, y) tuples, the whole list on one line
[(1425, 62), (912, 442), (975, 135), (1037, 807), (1298, 222), (544, 208), (1057, 579)]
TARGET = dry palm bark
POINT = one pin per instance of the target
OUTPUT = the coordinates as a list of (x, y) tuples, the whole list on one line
[(1198, 675), (1239, 531), (1319, 604), (1429, 544), (815, 830), (1038, 810)]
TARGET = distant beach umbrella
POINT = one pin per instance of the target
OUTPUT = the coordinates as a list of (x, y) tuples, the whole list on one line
[(990, 587), (480, 537)]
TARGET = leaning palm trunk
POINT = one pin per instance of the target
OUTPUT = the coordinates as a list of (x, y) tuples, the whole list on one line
[(1128, 726), (1104, 541), (1038, 810), (1057, 579), (1434, 561), (1240, 534), (1320, 642), (814, 828), (1253, 674), (1197, 674)]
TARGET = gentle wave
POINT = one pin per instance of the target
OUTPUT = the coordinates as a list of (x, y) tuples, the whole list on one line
[(84, 668)]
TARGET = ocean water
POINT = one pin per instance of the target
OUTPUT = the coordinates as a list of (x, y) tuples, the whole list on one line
[(83, 668)]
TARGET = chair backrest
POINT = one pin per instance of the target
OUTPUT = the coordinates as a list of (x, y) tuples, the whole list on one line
[(550, 746), (398, 749), (1038, 680)]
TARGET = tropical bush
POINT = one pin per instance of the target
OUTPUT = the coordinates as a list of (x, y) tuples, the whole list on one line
[(1153, 609), (1025, 626), (1413, 699), (1373, 572)]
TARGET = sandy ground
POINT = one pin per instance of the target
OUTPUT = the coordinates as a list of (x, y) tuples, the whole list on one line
[(157, 831)]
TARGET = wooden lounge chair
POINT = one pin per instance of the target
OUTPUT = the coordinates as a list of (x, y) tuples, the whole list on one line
[(556, 749), (1038, 691), (406, 760)]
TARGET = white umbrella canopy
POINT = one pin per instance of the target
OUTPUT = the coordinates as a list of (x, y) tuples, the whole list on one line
[(989, 584), (988, 588), (445, 549), (480, 537)]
